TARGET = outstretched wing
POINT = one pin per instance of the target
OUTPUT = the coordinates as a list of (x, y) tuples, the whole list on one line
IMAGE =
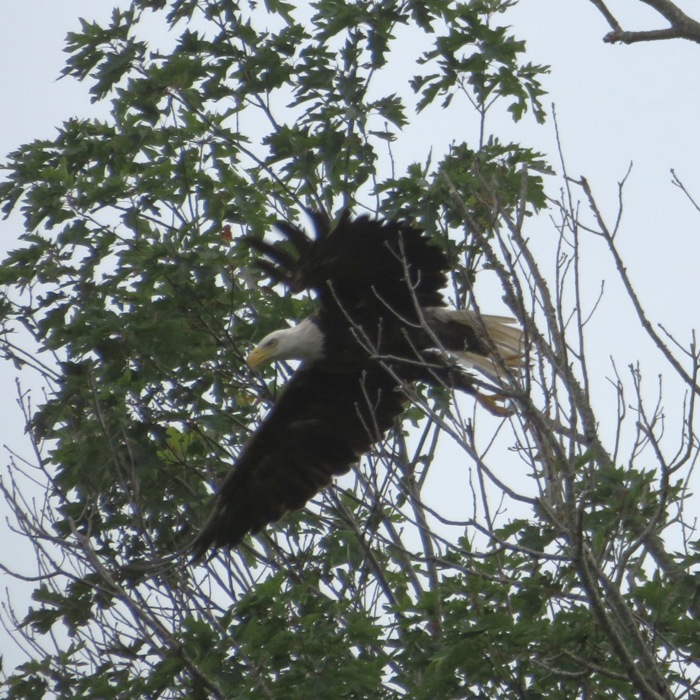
[(321, 424), (360, 265)]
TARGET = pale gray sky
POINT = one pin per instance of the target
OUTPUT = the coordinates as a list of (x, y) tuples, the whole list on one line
[(615, 104)]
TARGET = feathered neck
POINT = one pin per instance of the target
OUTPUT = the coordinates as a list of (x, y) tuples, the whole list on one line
[(301, 342)]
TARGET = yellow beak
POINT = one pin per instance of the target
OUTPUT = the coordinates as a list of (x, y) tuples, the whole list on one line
[(257, 357)]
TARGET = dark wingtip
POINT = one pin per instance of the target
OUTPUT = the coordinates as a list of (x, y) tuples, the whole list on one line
[(220, 530), (294, 235), (322, 223), (274, 272)]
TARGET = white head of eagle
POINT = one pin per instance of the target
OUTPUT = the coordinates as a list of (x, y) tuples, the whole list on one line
[(301, 342)]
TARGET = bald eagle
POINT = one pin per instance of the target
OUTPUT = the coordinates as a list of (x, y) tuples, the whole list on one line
[(381, 325)]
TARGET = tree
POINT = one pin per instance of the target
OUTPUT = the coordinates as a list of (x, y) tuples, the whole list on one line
[(135, 311)]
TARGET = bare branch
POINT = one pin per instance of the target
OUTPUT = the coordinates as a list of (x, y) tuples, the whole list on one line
[(682, 26)]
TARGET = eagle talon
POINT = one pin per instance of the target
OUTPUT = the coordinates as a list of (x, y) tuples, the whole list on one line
[(491, 403)]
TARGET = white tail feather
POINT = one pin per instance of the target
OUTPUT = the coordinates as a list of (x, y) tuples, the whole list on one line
[(504, 335)]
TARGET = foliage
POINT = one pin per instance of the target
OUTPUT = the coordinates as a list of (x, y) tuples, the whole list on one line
[(132, 304)]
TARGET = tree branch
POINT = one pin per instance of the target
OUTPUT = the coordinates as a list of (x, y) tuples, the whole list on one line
[(682, 26)]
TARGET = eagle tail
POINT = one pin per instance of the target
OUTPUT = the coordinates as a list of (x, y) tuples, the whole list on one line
[(501, 333)]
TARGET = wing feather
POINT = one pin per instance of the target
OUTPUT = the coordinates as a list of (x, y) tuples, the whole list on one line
[(321, 424), (359, 264)]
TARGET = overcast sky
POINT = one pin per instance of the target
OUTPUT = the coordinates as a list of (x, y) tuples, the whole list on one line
[(615, 104)]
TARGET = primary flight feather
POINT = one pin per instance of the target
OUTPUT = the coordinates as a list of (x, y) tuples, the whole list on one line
[(381, 324)]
